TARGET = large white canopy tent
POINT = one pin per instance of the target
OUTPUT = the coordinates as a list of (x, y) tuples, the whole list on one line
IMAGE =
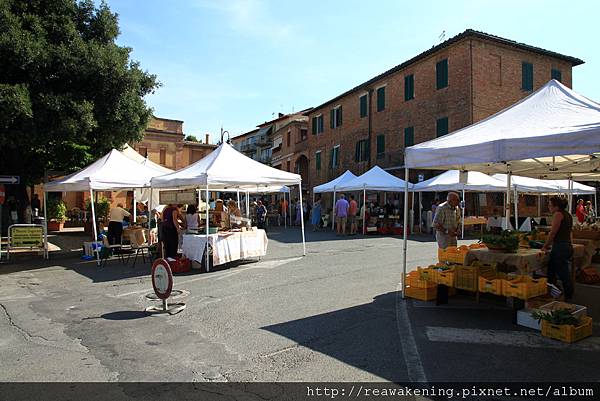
[(554, 132), (331, 186), (226, 169), (112, 172), (376, 179)]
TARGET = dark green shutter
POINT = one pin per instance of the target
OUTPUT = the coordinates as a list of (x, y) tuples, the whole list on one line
[(363, 106), (441, 74), (527, 76), (381, 99), (367, 150), (442, 126), (380, 145), (314, 125), (357, 152), (332, 119), (409, 87), (556, 74), (409, 136), (318, 160), (339, 122)]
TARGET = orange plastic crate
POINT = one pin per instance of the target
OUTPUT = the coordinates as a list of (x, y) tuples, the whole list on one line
[(445, 277), (492, 284), (453, 254), (427, 273), (566, 332), (422, 294), (414, 279), (524, 287), (466, 278)]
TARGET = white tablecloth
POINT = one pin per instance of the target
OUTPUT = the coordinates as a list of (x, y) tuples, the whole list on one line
[(227, 246)]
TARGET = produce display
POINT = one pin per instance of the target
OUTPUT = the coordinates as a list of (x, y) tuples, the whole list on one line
[(557, 317), (506, 241)]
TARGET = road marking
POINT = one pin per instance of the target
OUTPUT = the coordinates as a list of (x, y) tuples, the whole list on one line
[(507, 337), (268, 264), (414, 367)]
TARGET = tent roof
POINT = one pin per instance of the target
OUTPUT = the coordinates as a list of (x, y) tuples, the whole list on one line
[(134, 155), (226, 168), (111, 172), (376, 179), (450, 181), (339, 181), (553, 132), (535, 185)]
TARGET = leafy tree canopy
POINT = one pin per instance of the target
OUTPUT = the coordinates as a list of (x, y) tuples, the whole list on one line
[(191, 138), (68, 92)]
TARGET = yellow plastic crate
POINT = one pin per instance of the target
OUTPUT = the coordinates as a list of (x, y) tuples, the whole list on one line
[(524, 287), (453, 254), (466, 278), (427, 273), (414, 279), (492, 283), (566, 332), (422, 294), (445, 277)]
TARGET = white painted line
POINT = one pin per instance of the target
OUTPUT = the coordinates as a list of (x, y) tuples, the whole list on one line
[(410, 352), (507, 338)]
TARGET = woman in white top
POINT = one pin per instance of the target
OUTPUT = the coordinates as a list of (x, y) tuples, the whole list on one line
[(115, 224), (192, 219)]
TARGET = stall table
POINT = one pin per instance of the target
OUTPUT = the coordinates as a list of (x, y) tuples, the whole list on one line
[(226, 246)]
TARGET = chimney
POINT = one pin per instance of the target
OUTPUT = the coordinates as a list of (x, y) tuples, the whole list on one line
[(281, 115), (207, 138)]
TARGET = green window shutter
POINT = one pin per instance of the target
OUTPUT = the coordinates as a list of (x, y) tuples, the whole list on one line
[(409, 136), (381, 99), (442, 126), (339, 116), (357, 152), (363, 106), (556, 74), (332, 119), (380, 145), (441, 74), (318, 160), (527, 76), (331, 156), (367, 150), (409, 87), (314, 125)]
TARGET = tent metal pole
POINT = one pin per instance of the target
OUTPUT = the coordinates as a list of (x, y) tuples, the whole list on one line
[(464, 205), (364, 226), (94, 228), (248, 204), (45, 224), (333, 211), (507, 202), (302, 220), (207, 230), (285, 213), (405, 229), (421, 212), (516, 209), (238, 198), (595, 205), (134, 208), (539, 205), (570, 194)]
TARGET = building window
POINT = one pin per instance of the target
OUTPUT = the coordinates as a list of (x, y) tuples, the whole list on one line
[(163, 157), (289, 166), (556, 74), (303, 134), (409, 136), (318, 160), (362, 151), (441, 74), (441, 126), (409, 87), (317, 124), (289, 139), (335, 117), (380, 146), (381, 98), (363, 102), (143, 151), (335, 157), (527, 76)]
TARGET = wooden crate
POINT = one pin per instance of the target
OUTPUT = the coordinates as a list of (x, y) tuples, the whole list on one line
[(566, 332)]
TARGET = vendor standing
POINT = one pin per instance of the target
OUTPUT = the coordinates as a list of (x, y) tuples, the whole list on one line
[(446, 221), (559, 240), (580, 211), (115, 224), (170, 230)]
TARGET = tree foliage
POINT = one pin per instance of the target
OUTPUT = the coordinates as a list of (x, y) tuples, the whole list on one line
[(191, 138), (68, 92)]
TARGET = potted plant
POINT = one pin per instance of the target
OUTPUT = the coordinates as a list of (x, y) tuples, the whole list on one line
[(57, 212), (101, 208)]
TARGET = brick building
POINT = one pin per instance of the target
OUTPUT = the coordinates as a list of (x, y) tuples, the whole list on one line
[(454, 84)]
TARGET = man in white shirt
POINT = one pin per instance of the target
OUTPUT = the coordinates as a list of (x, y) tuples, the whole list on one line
[(115, 224), (446, 221)]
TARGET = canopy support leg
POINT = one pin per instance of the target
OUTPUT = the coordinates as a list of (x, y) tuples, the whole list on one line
[(405, 228), (302, 220), (134, 208), (570, 194), (207, 230), (421, 212), (333, 211), (364, 225), (464, 205), (516, 209), (45, 224), (507, 201), (595, 206), (94, 225), (539, 206)]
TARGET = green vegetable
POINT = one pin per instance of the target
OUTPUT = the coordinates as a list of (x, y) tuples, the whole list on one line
[(508, 240), (558, 317)]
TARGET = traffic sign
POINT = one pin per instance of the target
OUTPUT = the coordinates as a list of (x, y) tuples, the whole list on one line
[(162, 279), (2, 194), (10, 179)]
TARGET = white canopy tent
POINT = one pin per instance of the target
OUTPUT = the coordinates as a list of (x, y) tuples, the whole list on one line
[(112, 172), (331, 186), (227, 169), (376, 179), (554, 132)]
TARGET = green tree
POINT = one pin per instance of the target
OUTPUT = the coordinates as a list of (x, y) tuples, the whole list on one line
[(68, 92), (191, 138)]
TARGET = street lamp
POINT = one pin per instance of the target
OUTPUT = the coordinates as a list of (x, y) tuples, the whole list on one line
[(223, 132)]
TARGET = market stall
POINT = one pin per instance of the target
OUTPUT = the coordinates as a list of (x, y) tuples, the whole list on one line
[(112, 172), (377, 179), (330, 187), (225, 169), (553, 133)]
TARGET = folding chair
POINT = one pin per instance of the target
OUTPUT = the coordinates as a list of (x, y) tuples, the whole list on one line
[(140, 247), (109, 250)]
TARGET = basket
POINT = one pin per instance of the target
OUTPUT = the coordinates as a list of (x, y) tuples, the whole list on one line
[(524, 287), (466, 278), (453, 254), (566, 332), (422, 294), (492, 284), (415, 280)]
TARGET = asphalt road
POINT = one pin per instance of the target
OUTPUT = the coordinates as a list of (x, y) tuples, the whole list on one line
[(334, 315)]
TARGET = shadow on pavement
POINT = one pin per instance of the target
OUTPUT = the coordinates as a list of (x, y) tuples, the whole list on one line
[(364, 336), (125, 315)]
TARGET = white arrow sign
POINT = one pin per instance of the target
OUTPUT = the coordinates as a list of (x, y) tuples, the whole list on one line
[(10, 179)]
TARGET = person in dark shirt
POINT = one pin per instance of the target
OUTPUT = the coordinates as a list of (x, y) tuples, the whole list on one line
[(559, 241)]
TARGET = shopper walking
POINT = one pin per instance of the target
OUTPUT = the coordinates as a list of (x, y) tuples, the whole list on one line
[(341, 214), (315, 219), (261, 215), (446, 221), (352, 210), (560, 245)]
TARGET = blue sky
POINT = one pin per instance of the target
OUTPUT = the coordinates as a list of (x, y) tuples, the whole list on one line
[(237, 63)]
